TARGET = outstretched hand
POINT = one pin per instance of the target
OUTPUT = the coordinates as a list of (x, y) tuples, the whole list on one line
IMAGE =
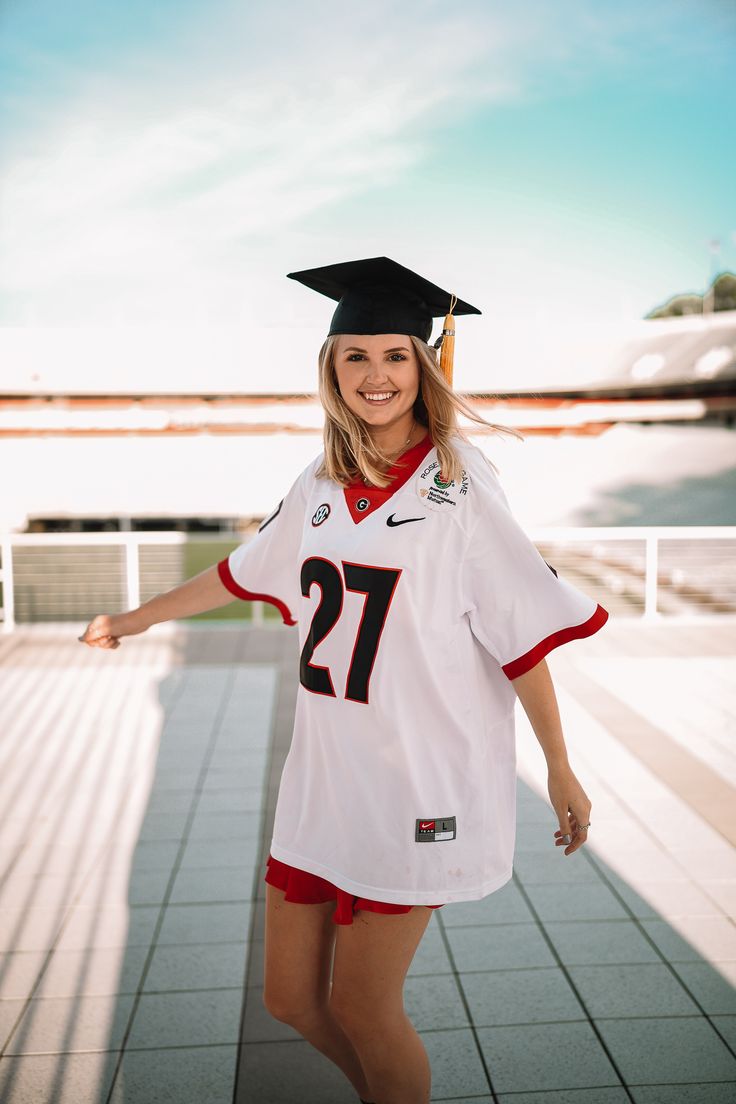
[(105, 630), (99, 634), (572, 806)]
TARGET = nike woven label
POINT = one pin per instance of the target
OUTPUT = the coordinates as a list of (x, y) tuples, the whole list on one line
[(429, 831)]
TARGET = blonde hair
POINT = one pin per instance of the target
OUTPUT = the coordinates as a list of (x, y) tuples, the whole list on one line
[(349, 450)]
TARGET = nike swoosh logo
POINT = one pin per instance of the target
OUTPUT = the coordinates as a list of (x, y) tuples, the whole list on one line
[(390, 520), (430, 825)]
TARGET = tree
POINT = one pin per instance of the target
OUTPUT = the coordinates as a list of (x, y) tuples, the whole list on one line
[(721, 293)]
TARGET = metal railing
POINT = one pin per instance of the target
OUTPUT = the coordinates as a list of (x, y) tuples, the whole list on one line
[(74, 576), (638, 571), (647, 571)]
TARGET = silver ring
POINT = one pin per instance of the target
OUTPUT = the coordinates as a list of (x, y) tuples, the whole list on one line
[(583, 826)]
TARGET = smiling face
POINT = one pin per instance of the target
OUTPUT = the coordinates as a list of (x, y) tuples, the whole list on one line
[(378, 377)]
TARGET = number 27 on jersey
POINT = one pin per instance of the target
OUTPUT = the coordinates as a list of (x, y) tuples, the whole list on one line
[(378, 585)]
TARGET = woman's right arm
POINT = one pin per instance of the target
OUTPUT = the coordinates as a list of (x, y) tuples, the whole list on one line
[(266, 564), (199, 594)]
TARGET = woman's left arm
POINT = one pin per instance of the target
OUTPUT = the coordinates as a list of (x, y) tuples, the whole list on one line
[(570, 802)]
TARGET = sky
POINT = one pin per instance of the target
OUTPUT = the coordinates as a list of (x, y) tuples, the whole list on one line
[(166, 164)]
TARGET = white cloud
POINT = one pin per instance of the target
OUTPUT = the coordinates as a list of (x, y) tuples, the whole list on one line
[(155, 187), (142, 193)]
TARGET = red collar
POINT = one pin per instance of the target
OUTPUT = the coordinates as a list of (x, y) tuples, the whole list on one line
[(404, 466)]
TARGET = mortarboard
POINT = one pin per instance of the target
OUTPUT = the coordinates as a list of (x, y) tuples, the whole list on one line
[(378, 295)]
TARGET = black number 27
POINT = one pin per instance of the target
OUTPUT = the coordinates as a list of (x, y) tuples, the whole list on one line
[(378, 585)]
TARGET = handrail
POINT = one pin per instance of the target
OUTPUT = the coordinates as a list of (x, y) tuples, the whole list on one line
[(124, 536), (7, 610), (132, 540), (546, 532), (628, 532)]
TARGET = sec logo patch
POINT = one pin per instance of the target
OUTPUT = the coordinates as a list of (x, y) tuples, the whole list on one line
[(321, 514)]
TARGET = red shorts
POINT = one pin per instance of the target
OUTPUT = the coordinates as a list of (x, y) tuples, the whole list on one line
[(309, 889)]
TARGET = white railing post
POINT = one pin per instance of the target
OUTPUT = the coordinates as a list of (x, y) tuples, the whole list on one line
[(6, 575), (688, 592), (650, 576), (132, 571)]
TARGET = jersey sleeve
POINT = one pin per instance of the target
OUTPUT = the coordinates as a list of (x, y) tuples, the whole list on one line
[(266, 567), (518, 606)]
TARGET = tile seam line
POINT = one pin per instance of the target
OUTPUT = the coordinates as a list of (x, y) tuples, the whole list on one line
[(66, 917), (280, 701), (290, 1042), (183, 839), (37, 739), (573, 986), (572, 678), (528, 924), (518, 970), (114, 1050), (664, 961), (466, 1006), (521, 970), (500, 1026), (17, 704)]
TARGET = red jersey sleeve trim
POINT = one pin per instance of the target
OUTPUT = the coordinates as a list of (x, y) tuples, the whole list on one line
[(226, 576), (531, 658)]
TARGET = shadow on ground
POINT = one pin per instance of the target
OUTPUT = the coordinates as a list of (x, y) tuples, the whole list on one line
[(562, 986)]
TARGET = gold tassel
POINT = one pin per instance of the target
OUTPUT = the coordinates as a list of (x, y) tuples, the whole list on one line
[(448, 342)]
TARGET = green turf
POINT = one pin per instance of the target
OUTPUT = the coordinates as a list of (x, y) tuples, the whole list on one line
[(201, 554)]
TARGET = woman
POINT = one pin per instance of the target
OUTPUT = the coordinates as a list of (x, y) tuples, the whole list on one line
[(424, 610)]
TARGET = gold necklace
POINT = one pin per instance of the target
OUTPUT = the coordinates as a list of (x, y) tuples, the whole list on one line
[(405, 445), (402, 449)]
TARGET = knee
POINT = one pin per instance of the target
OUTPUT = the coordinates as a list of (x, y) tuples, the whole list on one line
[(360, 1018), (291, 1011)]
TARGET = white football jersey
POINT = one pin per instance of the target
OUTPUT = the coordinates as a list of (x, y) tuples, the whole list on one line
[(416, 606)]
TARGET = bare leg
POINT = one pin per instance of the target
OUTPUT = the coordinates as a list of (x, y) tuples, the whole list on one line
[(299, 944), (372, 957)]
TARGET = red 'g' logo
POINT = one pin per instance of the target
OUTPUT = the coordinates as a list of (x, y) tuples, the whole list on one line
[(321, 514)]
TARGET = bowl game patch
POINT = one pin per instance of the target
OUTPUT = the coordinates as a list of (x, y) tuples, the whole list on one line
[(435, 492)]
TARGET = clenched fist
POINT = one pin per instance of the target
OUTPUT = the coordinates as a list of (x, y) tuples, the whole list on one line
[(105, 630)]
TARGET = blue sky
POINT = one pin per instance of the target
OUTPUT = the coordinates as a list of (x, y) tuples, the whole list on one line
[(168, 163)]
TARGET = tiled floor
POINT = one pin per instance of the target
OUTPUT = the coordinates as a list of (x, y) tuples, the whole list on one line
[(138, 788)]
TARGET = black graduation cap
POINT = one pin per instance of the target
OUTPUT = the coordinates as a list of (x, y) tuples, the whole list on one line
[(378, 295)]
